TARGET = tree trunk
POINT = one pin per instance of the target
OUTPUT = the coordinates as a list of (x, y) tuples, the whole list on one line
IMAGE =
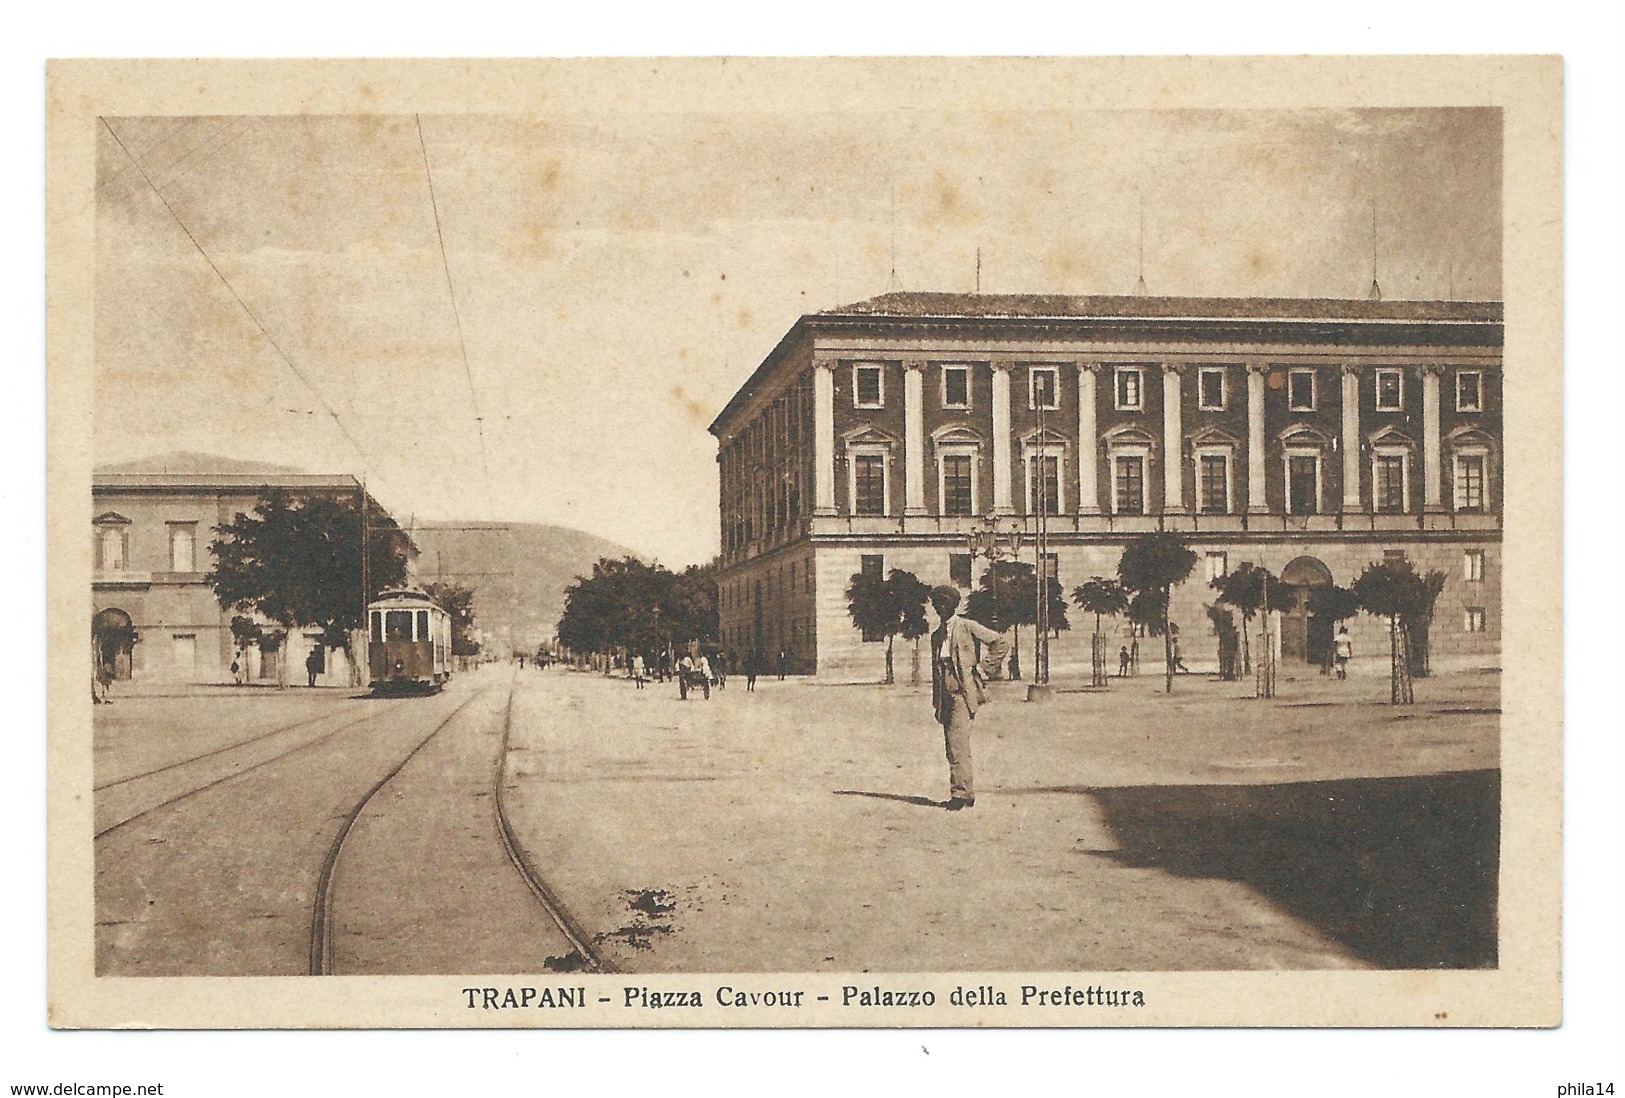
[(1167, 646), (889, 638), (1015, 655), (1393, 660), (1246, 647), (914, 664)]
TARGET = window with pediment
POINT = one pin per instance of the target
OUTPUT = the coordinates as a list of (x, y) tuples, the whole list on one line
[(111, 540)]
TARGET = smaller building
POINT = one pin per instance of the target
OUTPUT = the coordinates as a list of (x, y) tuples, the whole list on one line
[(152, 523)]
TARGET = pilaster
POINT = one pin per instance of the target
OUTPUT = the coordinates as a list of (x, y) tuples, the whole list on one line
[(1173, 451), (1088, 441), (913, 437), (1002, 461), (823, 436), (1257, 497)]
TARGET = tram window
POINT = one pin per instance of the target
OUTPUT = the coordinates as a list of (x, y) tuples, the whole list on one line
[(398, 625), (377, 626), (423, 625)]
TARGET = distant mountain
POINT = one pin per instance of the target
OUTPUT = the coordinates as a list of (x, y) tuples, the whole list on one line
[(518, 571)]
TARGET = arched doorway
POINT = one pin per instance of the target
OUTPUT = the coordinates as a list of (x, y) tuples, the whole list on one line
[(113, 640), (1305, 636)]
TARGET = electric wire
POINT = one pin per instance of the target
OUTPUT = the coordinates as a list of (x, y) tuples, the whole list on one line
[(451, 290), (224, 281)]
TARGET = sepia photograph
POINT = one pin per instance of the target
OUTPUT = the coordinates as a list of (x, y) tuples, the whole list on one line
[(778, 543)]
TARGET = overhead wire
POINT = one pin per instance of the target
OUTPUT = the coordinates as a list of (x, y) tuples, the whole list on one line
[(451, 290), (224, 281)]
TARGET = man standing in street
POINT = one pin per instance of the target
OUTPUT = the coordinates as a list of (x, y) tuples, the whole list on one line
[(956, 685), (1342, 651), (313, 665)]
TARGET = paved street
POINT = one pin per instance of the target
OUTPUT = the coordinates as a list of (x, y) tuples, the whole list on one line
[(800, 829)]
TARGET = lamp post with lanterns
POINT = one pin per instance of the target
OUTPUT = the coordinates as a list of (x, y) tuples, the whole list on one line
[(995, 544)]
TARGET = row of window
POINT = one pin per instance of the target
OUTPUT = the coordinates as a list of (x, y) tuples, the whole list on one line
[(112, 541), (784, 580), (869, 492), (1128, 387)]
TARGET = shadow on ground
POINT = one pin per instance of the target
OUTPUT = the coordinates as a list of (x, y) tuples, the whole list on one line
[(1403, 871), (923, 802)]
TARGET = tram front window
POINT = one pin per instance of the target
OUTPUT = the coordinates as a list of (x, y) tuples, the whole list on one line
[(398, 625)]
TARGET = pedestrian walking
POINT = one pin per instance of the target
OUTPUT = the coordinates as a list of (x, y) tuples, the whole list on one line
[(753, 661), (703, 670), (637, 670), (784, 662), (685, 676), (313, 665), (957, 676), (720, 667), (1179, 661), (101, 681), (1342, 651), (237, 669), (1122, 662)]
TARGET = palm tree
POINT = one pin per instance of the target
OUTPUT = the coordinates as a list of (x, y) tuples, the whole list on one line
[(1101, 597), (1150, 566)]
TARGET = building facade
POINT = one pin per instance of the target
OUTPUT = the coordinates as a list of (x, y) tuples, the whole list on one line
[(152, 523), (1309, 436)]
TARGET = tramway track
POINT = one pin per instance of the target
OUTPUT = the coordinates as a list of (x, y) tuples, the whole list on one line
[(324, 923), (578, 938), (258, 737), (321, 920), (237, 774)]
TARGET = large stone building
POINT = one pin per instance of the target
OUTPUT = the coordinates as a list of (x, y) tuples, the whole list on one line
[(152, 523), (1309, 436)]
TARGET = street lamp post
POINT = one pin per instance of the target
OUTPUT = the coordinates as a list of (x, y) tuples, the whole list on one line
[(989, 541)]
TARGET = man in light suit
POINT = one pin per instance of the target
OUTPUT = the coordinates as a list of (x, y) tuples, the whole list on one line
[(957, 675)]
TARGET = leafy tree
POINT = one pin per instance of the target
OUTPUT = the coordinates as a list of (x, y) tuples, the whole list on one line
[(1395, 591), (1224, 624), (629, 605), (885, 607), (1248, 590), (458, 602), (1101, 597), (1418, 620), (1150, 566), (296, 562)]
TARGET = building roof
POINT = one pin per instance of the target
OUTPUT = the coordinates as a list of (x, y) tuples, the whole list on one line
[(1124, 307)]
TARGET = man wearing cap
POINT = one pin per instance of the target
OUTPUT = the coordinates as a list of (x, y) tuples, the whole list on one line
[(957, 675)]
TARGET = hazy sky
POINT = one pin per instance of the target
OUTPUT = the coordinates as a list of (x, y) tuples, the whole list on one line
[(618, 276)]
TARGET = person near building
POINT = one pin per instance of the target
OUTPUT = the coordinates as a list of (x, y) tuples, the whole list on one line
[(1122, 662), (702, 671), (637, 670), (101, 681), (719, 667), (237, 669), (957, 674), (753, 663), (1342, 651), (313, 665), (784, 662)]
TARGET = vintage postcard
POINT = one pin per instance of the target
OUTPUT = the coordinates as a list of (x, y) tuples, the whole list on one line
[(805, 543)]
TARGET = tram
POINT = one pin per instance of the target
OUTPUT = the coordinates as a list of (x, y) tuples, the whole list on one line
[(409, 649)]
